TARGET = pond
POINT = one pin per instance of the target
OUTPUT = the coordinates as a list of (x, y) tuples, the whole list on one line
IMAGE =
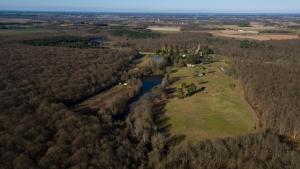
[(157, 59), (150, 82)]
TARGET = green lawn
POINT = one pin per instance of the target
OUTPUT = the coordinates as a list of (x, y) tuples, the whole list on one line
[(219, 111)]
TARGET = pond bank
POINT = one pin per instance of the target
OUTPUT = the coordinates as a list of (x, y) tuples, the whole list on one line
[(125, 91)]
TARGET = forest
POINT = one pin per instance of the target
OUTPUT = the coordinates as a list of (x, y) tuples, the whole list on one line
[(134, 33), (64, 41), (38, 129)]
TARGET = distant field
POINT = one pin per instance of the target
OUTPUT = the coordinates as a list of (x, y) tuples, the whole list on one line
[(165, 28), (14, 20), (7, 32), (254, 35), (219, 111), (256, 31)]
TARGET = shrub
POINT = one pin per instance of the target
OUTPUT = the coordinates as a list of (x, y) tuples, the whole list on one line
[(179, 93)]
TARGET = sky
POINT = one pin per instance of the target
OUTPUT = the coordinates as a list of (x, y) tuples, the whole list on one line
[(214, 6)]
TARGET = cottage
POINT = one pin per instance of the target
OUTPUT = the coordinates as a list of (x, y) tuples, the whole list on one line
[(190, 65)]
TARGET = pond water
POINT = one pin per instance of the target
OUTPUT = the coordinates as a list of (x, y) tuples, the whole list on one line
[(157, 59), (150, 82)]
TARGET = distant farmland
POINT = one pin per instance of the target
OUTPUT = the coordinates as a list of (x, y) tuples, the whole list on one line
[(165, 28), (255, 36)]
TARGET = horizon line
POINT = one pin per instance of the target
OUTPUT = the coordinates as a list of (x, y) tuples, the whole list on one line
[(139, 12)]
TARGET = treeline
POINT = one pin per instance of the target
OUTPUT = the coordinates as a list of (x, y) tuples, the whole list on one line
[(270, 81), (269, 73), (180, 40), (16, 25), (254, 151), (135, 33), (64, 41), (274, 31)]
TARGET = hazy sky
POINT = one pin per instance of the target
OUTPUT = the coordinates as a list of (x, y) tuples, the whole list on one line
[(246, 6)]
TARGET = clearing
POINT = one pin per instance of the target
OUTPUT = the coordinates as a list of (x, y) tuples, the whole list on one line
[(8, 32), (104, 99), (165, 28), (255, 31), (218, 111), (255, 35)]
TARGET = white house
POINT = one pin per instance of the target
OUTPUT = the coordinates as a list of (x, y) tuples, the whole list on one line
[(190, 65)]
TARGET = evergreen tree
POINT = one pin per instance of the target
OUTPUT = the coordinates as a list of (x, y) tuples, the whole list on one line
[(180, 93)]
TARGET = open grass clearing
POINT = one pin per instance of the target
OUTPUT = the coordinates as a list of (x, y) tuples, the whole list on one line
[(105, 99), (256, 31), (165, 29), (219, 111), (254, 35), (8, 32)]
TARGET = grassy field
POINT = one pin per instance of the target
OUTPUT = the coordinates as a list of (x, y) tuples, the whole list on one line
[(8, 32), (256, 31), (255, 36), (218, 111), (165, 29), (105, 98)]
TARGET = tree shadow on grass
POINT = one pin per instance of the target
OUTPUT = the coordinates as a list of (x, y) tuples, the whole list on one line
[(176, 139), (170, 90), (173, 71), (203, 82), (164, 125), (177, 78), (201, 89)]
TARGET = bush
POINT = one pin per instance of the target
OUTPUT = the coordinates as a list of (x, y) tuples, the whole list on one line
[(191, 89), (179, 93), (186, 90), (245, 44)]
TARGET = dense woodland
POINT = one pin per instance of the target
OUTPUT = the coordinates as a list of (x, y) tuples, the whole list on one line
[(134, 33), (36, 127), (270, 78), (64, 41), (37, 130)]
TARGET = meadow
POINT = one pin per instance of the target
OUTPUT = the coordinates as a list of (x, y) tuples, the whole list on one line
[(9, 32), (219, 110)]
